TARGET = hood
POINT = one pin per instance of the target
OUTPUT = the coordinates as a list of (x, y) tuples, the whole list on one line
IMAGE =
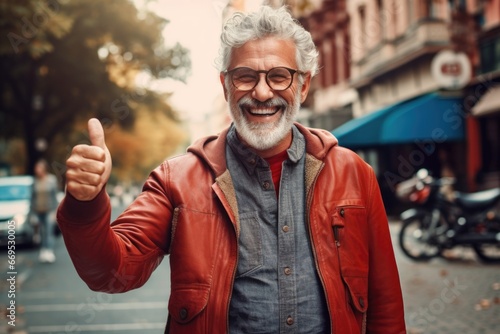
[(9, 209), (212, 149), (318, 141)]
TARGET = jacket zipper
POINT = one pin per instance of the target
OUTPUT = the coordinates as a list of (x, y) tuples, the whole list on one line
[(233, 277), (234, 226), (175, 217), (337, 238), (336, 233)]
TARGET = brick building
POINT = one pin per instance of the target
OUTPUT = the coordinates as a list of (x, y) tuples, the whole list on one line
[(418, 80)]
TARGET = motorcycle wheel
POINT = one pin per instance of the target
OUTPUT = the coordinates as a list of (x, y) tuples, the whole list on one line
[(489, 253), (414, 241)]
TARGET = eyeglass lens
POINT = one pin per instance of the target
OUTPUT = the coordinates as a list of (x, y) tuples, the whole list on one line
[(278, 78)]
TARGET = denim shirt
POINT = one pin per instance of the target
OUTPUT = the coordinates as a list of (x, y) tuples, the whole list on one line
[(277, 288)]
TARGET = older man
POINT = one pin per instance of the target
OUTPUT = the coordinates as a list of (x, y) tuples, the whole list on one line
[(271, 227)]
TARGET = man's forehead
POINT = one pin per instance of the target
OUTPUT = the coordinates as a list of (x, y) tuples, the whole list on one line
[(264, 52)]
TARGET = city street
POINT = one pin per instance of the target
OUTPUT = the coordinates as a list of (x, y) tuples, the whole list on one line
[(458, 295), (101, 96), (453, 295), (51, 298)]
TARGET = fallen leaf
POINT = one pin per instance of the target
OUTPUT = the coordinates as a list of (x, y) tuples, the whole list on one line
[(485, 303)]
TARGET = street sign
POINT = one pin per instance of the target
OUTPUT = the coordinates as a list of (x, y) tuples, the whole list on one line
[(451, 70)]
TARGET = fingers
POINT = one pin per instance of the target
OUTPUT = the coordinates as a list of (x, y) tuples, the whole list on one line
[(86, 158), (87, 152), (86, 171), (89, 166)]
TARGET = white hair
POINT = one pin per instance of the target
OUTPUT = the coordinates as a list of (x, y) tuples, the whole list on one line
[(241, 28)]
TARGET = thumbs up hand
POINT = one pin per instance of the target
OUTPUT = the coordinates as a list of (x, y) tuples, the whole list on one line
[(89, 166)]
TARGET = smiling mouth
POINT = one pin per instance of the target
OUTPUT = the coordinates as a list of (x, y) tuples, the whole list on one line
[(262, 112)]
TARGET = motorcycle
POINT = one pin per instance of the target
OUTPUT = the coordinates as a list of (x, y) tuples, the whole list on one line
[(438, 222)]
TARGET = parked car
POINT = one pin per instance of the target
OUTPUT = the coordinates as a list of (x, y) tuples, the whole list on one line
[(15, 206)]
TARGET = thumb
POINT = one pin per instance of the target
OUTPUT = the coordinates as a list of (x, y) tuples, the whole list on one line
[(96, 133)]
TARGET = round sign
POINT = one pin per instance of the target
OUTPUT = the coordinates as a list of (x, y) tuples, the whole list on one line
[(451, 70)]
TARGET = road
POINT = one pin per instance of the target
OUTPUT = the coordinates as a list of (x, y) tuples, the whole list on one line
[(457, 295), (51, 298)]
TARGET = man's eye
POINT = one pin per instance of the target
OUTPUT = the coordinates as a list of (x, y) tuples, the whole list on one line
[(278, 78), (245, 78)]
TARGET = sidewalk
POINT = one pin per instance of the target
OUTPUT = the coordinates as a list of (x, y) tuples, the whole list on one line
[(455, 295)]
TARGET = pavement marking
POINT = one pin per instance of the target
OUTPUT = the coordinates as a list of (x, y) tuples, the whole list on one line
[(22, 277), (97, 327), (97, 306), (42, 294)]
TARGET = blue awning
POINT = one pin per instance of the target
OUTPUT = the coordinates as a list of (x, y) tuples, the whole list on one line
[(429, 117)]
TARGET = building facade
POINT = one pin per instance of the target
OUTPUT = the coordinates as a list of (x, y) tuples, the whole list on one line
[(482, 96), (418, 79), (408, 84)]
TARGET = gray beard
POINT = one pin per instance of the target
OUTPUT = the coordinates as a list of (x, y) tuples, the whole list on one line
[(263, 136)]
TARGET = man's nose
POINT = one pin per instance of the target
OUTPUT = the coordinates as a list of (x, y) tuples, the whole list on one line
[(262, 91)]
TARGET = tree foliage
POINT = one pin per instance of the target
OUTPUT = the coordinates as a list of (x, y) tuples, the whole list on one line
[(65, 61)]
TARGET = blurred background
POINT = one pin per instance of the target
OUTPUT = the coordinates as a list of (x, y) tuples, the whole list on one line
[(407, 84)]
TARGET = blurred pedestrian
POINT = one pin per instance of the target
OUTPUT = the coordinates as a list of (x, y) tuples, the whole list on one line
[(271, 227), (44, 204), (447, 175)]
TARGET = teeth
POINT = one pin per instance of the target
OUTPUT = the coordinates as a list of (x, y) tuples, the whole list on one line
[(263, 112)]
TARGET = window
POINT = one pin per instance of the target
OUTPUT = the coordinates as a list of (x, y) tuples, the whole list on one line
[(362, 27), (411, 12), (458, 4), (490, 131), (490, 55), (430, 9), (382, 19)]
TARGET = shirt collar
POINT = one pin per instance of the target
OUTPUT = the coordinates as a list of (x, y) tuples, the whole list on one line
[(251, 160)]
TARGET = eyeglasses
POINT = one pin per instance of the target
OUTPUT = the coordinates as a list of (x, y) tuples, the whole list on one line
[(246, 79)]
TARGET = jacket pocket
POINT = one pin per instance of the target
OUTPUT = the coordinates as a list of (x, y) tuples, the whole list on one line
[(357, 297), (250, 245), (194, 248), (349, 226), (188, 302), (357, 291), (350, 232)]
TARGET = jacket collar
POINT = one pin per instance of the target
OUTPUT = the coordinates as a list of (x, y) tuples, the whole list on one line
[(212, 149)]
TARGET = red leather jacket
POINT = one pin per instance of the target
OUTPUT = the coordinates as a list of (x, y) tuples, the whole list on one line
[(188, 210)]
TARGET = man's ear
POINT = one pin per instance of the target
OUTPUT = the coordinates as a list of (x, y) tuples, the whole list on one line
[(223, 83), (305, 87)]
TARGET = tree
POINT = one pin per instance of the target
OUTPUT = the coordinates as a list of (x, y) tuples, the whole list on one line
[(65, 61)]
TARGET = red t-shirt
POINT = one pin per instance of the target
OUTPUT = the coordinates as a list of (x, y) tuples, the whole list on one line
[(276, 162)]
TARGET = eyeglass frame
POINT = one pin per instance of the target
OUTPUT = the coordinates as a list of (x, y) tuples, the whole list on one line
[(290, 70)]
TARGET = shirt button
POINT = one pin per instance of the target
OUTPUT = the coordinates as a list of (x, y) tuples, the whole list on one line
[(288, 271), (266, 185), (286, 228), (252, 161), (289, 321), (342, 212)]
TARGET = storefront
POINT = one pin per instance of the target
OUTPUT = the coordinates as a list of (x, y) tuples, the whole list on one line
[(486, 116), (428, 131)]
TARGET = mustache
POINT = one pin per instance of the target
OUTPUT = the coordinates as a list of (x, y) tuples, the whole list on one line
[(248, 102)]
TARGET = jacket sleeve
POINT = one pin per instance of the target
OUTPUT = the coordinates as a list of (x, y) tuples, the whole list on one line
[(120, 256), (386, 309)]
